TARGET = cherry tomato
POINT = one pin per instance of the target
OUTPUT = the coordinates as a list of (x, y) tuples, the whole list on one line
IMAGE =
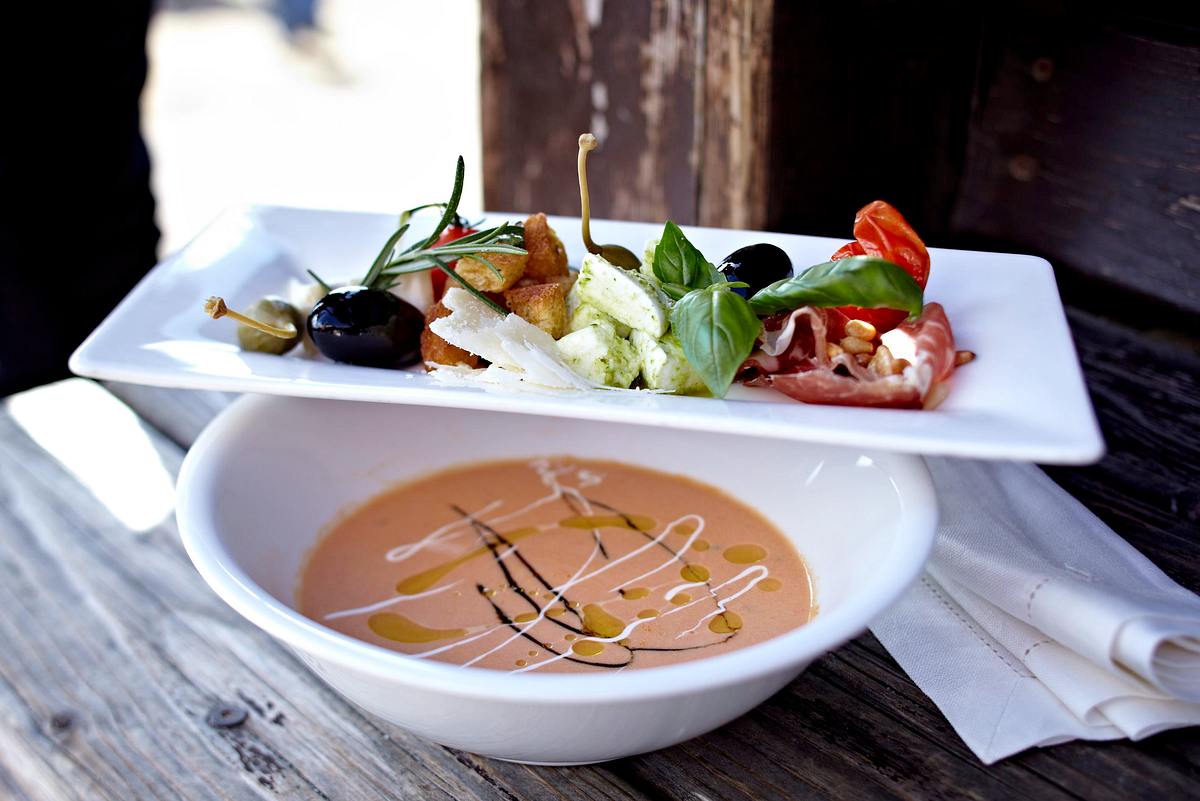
[(881, 231), (456, 230)]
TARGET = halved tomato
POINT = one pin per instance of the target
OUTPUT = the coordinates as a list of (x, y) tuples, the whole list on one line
[(881, 231)]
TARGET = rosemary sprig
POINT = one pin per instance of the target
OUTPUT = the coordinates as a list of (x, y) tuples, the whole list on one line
[(448, 214), (506, 238), (377, 266), (406, 215), (441, 265), (320, 281)]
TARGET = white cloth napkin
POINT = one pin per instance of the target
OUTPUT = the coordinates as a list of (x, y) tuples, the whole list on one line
[(1035, 623)]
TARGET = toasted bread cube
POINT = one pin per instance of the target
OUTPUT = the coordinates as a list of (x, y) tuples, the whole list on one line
[(566, 281), (435, 350), (480, 276), (544, 305), (547, 256)]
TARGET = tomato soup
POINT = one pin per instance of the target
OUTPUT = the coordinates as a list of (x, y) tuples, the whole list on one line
[(556, 565)]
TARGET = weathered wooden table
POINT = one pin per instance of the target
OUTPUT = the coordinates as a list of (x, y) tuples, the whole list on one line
[(123, 677)]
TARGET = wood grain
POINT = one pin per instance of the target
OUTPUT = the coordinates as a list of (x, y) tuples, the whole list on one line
[(1084, 147), (628, 73), (115, 653), (736, 114), (678, 91)]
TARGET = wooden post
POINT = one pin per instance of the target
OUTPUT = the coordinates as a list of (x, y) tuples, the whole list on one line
[(736, 115), (634, 74)]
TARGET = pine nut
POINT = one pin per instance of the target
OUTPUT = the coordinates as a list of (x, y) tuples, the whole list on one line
[(882, 362), (964, 357), (860, 329), (856, 345), (833, 350)]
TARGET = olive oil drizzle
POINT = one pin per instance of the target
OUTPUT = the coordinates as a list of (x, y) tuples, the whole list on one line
[(483, 531), (632, 525), (571, 504), (596, 627), (507, 621), (683, 598)]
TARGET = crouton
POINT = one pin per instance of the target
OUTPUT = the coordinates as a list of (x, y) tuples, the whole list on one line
[(544, 305), (435, 350), (565, 281), (547, 256), (480, 276)]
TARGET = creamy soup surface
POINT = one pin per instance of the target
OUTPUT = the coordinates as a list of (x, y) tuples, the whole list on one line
[(556, 564)]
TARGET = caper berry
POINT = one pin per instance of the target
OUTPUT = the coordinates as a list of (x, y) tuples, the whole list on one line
[(275, 312)]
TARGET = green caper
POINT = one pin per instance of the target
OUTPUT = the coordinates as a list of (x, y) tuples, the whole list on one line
[(274, 312)]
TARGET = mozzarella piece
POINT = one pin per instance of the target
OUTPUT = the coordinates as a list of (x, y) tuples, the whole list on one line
[(585, 314), (664, 366), (626, 295), (597, 353), (416, 288), (647, 268)]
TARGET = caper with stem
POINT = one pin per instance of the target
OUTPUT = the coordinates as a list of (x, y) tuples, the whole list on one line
[(271, 325), (613, 254)]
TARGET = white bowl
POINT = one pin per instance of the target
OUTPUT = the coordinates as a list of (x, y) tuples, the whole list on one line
[(266, 476)]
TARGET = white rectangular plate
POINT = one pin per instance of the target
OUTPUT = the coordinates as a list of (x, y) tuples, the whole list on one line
[(1023, 397)]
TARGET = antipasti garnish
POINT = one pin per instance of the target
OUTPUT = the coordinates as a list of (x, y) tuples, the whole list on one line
[(499, 307)]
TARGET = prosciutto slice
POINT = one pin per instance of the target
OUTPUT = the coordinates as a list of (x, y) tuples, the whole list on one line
[(793, 359)]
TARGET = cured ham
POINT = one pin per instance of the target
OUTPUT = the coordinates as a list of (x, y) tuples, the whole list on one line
[(794, 357)]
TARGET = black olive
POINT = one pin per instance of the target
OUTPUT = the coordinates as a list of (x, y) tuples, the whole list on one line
[(364, 326), (758, 265)]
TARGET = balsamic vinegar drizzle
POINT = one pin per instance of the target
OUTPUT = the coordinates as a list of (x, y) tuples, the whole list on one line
[(592, 636), (637, 523)]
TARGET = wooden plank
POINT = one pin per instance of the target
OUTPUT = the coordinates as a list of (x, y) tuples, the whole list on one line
[(116, 653), (733, 171), (179, 415), (1084, 148), (626, 71)]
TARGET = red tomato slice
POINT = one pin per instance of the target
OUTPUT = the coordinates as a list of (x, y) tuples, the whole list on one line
[(881, 231)]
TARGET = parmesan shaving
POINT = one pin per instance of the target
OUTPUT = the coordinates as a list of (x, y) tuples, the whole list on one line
[(519, 352)]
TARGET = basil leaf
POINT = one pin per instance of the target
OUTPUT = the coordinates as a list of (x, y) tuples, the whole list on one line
[(677, 261), (675, 291), (865, 281), (717, 329)]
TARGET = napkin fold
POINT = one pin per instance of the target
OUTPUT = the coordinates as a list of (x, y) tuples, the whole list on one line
[(1035, 624)]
